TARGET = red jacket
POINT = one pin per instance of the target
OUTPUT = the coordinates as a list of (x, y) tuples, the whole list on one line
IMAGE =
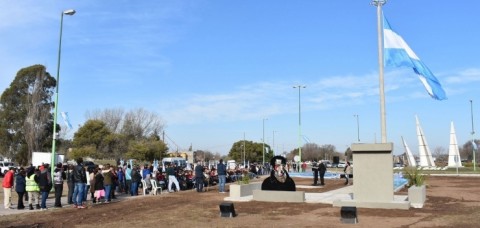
[(8, 179)]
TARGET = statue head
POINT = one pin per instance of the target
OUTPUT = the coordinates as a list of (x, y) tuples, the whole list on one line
[(278, 168)]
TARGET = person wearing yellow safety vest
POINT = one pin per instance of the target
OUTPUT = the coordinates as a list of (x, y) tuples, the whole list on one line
[(32, 188)]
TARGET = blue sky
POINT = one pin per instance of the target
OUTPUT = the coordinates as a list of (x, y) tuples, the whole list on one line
[(213, 70)]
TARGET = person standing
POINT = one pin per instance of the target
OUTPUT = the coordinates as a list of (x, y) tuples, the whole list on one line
[(92, 184), (98, 185), (222, 176), (7, 188), (315, 172), (347, 170), (128, 180), (20, 188), (121, 180), (136, 178), (322, 168), (45, 184), (107, 182), (70, 184), (199, 177), (58, 177), (172, 178), (87, 185), (114, 182), (80, 181), (304, 167), (32, 188)]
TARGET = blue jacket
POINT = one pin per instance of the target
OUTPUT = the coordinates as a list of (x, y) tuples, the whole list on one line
[(20, 183), (199, 171), (221, 169)]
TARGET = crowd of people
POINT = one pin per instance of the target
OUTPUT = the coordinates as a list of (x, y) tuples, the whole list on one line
[(101, 183), (33, 185)]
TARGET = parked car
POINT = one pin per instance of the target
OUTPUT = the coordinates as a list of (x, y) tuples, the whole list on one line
[(397, 164), (5, 166), (341, 165), (328, 164)]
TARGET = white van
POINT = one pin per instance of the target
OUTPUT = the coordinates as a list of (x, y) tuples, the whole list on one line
[(231, 164), (180, 162)]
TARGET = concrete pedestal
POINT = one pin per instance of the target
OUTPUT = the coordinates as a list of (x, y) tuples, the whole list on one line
[(373, 172)]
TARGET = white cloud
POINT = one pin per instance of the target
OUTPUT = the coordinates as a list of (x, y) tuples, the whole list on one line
[(258, 100), (464, 76)]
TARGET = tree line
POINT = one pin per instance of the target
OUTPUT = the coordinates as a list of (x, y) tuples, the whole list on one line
[(26, 125)]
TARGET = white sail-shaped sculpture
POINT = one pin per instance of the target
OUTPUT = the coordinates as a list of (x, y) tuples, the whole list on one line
[(453, 149), (426, 159), (411, 159)]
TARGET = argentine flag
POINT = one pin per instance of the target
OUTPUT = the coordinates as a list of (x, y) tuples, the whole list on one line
[(397, 53), (66, 120)]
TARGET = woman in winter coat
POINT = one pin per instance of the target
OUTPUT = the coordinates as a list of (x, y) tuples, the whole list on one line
[(99, 187), (20, 188)]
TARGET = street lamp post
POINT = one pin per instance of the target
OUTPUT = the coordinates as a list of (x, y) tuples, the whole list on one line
[(52, 165), (358, 128), (263, 141), (473, 140), (299, 122), (273, 143), (244, 155)]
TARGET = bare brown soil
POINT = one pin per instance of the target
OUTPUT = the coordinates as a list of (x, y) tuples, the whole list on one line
[(452, 202)]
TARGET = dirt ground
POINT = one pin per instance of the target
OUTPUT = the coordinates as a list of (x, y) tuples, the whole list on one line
[(451, 202)]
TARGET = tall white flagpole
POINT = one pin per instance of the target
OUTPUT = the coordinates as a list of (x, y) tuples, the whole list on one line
[(379, 4)]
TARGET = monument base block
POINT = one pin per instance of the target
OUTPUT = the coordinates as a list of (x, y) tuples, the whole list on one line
[(279, 196)]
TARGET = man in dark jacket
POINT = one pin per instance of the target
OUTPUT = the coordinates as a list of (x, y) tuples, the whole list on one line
[(172, 177), (136, 178), (199, 177), (315, 172), (45, 184), (70, 184), (58, 177), (322, 168), (222, 176), (80, 179)]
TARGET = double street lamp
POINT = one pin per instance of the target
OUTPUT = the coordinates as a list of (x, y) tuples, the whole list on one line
[(66, 12)]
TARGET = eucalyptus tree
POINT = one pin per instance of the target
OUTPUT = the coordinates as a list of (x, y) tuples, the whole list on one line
[(25, 113)]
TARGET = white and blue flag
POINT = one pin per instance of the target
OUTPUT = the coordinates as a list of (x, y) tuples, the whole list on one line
[(397, 53), (66, 120)]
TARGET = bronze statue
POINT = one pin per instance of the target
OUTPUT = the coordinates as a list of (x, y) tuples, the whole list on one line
[(279, 180)]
